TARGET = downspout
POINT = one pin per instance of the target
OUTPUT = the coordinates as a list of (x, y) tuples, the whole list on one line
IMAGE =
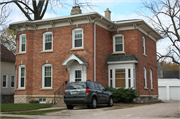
[(94, 21)]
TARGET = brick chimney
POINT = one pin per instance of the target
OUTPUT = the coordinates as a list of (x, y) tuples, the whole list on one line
[(76, 10), (107, 14)]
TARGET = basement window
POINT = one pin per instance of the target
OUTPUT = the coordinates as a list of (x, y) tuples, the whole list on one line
[(42, 100)]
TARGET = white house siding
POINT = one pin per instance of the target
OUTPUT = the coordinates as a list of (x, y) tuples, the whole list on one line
[(169, 89)]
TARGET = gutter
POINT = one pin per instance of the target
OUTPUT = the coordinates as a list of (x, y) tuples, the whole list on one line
[(94, 21)]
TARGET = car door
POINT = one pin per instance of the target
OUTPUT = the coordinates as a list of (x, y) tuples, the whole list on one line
[(105, 94), (98, 92)]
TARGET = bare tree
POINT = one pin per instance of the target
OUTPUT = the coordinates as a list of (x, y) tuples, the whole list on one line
[(35, 9), (166, 20)]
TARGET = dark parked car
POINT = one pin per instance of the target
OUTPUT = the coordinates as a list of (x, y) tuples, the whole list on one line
[(87, 92)]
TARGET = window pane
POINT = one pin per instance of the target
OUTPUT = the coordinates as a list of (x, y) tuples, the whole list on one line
[(78, 43), (119, 47), (40, 99), (120, 77), (44, 99), (48, 38), (129, 81), (78, 34), (47, 82), (4, 83), (129, 73), (47, 71), (23, 39), (22, 81), (48, 46), (22, 71), (120, 82), (78, 74), (23, 47), (12, 81), (4, 77), (110, 73), (12, 84), (118, 40)]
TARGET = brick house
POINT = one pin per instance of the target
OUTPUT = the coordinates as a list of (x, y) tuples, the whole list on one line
[(84, 47), (7, 74)]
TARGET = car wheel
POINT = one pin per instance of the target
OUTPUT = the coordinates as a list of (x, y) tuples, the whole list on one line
[(93, 103), (69, 106), (110, 103)]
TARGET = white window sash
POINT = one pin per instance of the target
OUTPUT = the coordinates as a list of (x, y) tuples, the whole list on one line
[(44, 41), (145, 78), (144, 46), (151, 79), (114, 43), (19, 78), (20, 43), (5, 80), (74, 39), (43, 75)]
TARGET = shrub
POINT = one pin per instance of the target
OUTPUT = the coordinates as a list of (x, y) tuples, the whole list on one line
[(33, 101), (123, 95)]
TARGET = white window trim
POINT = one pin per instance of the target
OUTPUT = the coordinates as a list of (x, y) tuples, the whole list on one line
[(6, 80), (19, 77), (20, 43), (43, 69), (144, 46), (114, 50), (145, 78), (11, 81), (151, 73), (46, 33), (73, 38), (113, 67)]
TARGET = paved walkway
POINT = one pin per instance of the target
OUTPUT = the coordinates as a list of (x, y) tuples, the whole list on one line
[(169, 109)]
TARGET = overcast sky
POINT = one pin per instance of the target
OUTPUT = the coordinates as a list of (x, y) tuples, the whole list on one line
[(120, 10)]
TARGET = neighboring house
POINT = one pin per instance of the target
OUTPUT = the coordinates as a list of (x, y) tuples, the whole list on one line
[(8, 74), (84, 47)]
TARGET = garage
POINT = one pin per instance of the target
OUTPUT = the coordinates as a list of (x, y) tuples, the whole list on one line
[(162, 92), (169, 89), (174, 93)]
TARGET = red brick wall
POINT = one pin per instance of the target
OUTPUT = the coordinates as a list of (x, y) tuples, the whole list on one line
[(62, 45), (103, 49)]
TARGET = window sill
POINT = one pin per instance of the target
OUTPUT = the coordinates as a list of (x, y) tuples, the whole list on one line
[(20, 89), (145, 55), (46, 88), (77, 49), (21, 53), (152, 88), (4, 87), (118, 53), (46, 51), (146, 88)]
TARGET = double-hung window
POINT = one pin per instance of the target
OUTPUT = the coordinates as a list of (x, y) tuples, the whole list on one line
[(47, 41), (4, 81), (151, 79), (22, 75), (77, 38), (12, 81), (145, 78), (22, 43), (144, 46), (118, 43), (47, 76)]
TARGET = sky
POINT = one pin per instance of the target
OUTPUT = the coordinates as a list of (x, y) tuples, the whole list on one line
[(120, 10)]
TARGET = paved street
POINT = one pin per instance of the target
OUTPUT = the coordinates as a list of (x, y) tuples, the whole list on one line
[(169, 109)]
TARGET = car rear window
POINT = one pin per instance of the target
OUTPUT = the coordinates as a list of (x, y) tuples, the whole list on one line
[(76, 85)]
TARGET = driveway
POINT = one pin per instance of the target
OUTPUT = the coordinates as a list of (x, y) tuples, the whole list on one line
[(168, 109)]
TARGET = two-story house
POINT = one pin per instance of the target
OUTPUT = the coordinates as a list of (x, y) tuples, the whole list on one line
[(84, 47), (7, 74)]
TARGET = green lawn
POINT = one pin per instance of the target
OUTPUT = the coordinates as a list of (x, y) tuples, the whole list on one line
[(22, 107), (40, 112)]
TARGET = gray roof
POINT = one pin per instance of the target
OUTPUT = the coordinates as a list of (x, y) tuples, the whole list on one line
[(115, 58), (81, 59)]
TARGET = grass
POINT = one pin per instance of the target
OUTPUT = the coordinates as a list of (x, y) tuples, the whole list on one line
[(40, 112), (9, 107), (2, 117)]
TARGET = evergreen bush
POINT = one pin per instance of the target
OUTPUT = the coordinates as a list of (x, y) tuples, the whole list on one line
[(122, 94)]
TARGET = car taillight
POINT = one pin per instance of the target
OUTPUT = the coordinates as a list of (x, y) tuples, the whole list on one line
[(87, 91), (64, 92)]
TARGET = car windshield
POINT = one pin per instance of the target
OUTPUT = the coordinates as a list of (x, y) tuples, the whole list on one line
[(76, 85)]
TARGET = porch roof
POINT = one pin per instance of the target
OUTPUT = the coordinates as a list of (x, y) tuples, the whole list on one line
[(122, 59)]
